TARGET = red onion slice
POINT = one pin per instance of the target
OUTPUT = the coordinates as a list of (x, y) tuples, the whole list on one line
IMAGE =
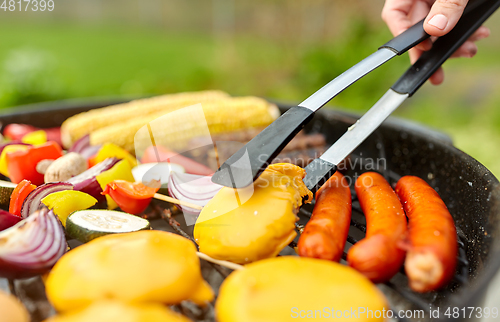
[(32, 246), (192, 188), (82, 146), (7, 219), (40, 238), (34, 200), (86, 181), (90, 151)]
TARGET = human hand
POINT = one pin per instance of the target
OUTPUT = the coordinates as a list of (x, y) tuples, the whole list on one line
[(440, 18)]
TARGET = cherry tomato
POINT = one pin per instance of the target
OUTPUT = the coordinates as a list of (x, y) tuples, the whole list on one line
[(131, 197)]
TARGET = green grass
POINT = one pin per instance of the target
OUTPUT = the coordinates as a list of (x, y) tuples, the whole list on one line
[(91, 61), (48, 61)]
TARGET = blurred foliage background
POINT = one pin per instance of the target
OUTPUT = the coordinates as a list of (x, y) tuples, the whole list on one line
[(279, 49)]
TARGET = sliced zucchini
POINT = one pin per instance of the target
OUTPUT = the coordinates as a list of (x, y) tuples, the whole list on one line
[(88, 224), (6, 189)]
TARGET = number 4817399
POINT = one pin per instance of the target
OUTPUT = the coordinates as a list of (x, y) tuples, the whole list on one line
[(27, 5)]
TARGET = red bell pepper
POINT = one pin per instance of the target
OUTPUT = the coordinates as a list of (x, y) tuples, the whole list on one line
[(21, 191), (133, 198), (22, 164), (15, 131), (161, 154)]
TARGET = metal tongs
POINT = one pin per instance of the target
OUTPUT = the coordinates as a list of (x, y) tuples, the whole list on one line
[(244, 167)]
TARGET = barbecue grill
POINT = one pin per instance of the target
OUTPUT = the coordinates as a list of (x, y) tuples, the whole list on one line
[(397, 148)]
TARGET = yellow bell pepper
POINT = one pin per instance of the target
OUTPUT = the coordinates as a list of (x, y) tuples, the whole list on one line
[(256, 222), (35, 137), (107, 311), (137, 267), (110, 150), (3, 157), (292, 288), (120, 171), (66, 202)]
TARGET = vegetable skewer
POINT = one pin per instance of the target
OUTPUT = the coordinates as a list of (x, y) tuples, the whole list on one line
[(176, 201)]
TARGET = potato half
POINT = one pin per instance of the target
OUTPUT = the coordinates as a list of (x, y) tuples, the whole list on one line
[(256, 222), (291, 288)]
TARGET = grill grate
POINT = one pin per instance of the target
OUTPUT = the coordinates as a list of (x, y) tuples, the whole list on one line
[(470, 191), (396, 290), (399, 295)]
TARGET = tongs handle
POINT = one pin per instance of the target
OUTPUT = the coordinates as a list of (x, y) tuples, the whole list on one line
[(407, 39), (444, 47)]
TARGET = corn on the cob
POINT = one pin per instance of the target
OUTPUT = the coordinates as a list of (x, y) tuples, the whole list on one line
[(81, 124), (174, 130)]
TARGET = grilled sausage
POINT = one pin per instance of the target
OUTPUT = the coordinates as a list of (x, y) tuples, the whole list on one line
[(378, 256), (432, 236), (326, 232)]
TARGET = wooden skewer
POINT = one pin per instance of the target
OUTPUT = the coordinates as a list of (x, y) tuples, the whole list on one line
[(227, 264), (177, 201)]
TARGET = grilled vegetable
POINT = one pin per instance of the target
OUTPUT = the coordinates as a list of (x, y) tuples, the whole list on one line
[(42, 166), (34, 200), (63, 203), (3, 156), (195, 189), (154, 154), (378, 256), (256, 222), (326, 232), (137, 267), (432, 239), (12, 309), (120, 171), (87, 182), (86, 225), (82, 146), (174, 130), (6, 189), (106, 311), (8, 220), (22, 190), (131, 197), (35, 138), (17, 131), (267, 291), (64, 168), (110, 150), (22, 164), (32, 246), (84, 123)]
